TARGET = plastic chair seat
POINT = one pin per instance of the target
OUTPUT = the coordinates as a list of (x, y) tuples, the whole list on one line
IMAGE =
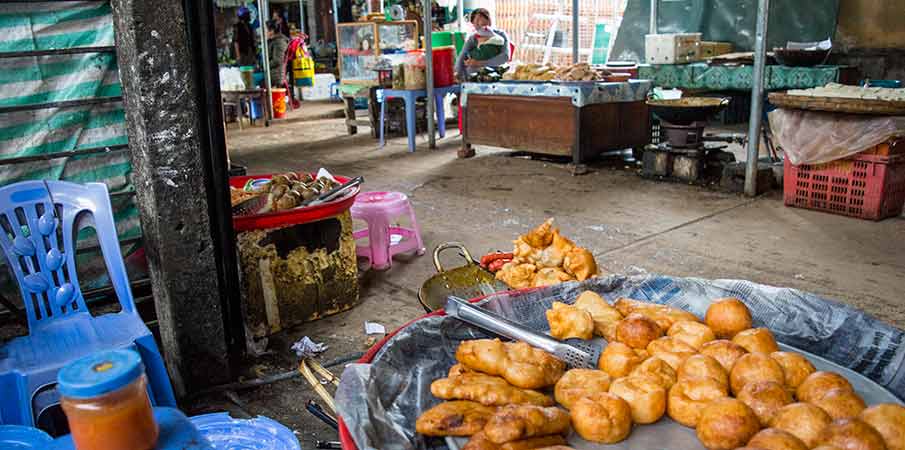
[(409, 96), (385, 240)]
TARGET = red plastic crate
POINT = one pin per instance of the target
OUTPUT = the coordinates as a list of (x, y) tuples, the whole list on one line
[(864, 186)]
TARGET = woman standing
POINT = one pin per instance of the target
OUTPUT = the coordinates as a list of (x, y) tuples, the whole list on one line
[(277, 44), (487, 47)]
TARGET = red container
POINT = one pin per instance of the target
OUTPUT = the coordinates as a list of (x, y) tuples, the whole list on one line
[(865, 186), (444, 66), (293, 216), (278, 96)]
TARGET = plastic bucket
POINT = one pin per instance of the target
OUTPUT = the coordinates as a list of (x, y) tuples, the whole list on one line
[(441, 39), (256, 111), (278, 96), (444, 66), (248, 76)]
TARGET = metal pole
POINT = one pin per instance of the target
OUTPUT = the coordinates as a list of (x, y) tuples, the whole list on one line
[(336, 25), (460, 12), (429, 72), (262, 21), (301, 16), (654, 14), (575, 31), (757, 97)]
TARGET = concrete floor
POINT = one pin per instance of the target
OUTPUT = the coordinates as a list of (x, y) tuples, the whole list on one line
[(632, 225)]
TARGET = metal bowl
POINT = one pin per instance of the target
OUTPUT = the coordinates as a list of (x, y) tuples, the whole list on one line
[(685, 111), (800, 58)]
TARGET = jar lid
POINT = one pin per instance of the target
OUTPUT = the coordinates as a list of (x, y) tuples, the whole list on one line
[(100, 373)]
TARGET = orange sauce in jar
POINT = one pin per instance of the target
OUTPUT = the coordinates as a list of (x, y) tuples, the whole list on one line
[(103, 412)]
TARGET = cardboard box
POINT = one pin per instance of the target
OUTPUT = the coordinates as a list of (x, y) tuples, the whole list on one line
[(678, 48), (712, 49)]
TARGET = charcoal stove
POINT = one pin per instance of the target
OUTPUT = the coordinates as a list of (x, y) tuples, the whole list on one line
[(681, 151)]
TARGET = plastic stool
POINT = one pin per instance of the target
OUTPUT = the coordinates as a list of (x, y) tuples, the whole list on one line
[(379, 209)]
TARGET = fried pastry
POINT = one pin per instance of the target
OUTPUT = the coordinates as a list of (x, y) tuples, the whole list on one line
[(517, 362), (515, 422), (765, 398), (567, 321), (726, 424), (752, 368), (889, 420), (658, 370), (618, 359), (670, 350), (578, 383), (645, 397), (604, 418), (688, 397), (517, 276), (840, 403), (852, 434), (480, 442), (487, 390), (541, 236), (728, 317), (604, 316), (636, 331), (726, 352), (550, 277), (456, 418), (553, 255), (803, 420), (795, 367), (819, 383), (698, 366), (774, 439), (695, 334), (580, 263), (756, 340), (665, 316)]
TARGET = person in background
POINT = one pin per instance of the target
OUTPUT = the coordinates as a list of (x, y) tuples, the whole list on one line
[(487, 47), (282, 27), (244, 39), (277, 44)]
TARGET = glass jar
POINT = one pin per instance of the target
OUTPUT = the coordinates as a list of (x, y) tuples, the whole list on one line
[(105, 398)]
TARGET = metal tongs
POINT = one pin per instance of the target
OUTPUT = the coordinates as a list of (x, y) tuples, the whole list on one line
[(575, 353), (336, 192)]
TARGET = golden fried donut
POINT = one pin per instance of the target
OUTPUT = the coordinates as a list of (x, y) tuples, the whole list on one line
[(840, 403), (645, 397), (695, 334), (727, 317), (657, 369), (578, 383), (688, 397), (603, 418), (697, 366), (775, 439), (817, 384), (756, 340), (889, 420), (755, 367), (665, 316), (670, 350), (765, 398), (726, 424), (637, 331), (795, 367), (852, 434), (604, 315), (567, 322), (726, 352), (803, 420), (618, 359)]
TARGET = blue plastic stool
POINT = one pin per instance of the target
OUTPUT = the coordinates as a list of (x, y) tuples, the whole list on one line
[(38, 242), (20, 437), (260, 433), (410, 96), (176, 433)]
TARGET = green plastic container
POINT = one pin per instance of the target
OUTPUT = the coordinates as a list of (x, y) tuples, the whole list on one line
[(442, 38)]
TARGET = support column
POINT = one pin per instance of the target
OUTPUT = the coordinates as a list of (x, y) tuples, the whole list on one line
[(576, 30), (757, 97), (173, 163)]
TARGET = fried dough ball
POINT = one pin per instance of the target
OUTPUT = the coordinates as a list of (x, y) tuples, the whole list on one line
[(755, 367), (774, 439), (455, 418), (645, 397), (665, 316), (618, 360), (852, 434), (605, 316), (727, 317), (726, 352), (803, 420), (514, 422), (795, 367), (637, 331), (567, 321), (603, 418), (578, 383), (698, 366), (695, 334), (765, 398), (840, 403), (726, 424), (688, 397), (658, 370), (756, 340), (670, 350), (817, 384), (889, 420)]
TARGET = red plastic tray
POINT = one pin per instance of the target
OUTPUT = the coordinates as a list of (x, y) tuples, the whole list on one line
[(293, 216), (865, 186)]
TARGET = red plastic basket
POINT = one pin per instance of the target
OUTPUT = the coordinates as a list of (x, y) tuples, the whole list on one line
[(292, 216), (866, 186)]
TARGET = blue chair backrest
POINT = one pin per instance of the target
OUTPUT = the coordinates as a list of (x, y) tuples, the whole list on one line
[(38, 236)]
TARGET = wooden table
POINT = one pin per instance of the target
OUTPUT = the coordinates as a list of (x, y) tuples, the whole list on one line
[(555, 125)]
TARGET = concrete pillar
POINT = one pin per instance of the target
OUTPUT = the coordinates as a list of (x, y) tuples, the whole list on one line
[(170, 149)]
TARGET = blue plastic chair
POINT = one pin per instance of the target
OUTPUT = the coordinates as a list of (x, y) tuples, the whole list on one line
[(38, 241)]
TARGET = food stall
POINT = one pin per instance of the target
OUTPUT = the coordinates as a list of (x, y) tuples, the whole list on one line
[(574, 119)]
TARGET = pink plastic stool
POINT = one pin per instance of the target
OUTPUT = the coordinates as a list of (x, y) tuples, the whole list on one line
[(379, 209)]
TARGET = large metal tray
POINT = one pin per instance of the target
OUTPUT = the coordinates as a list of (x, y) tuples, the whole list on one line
[(666, 434)]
